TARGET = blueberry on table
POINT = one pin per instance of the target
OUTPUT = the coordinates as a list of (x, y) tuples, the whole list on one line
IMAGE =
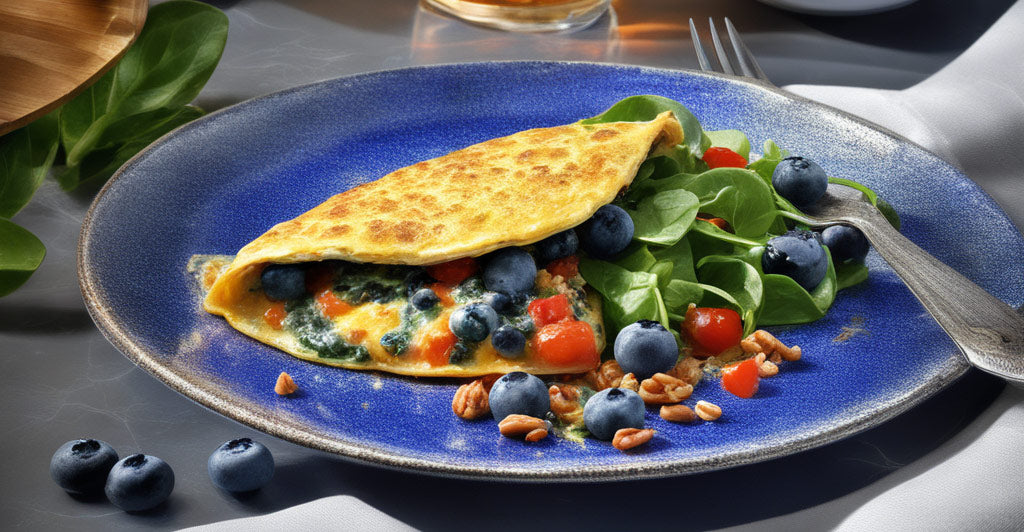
[(241, 465), (845, 243), (556, 246), (424, 299), (612, 409), (501, 303), (519, 393), (800, 180), (508, 341), (81, 466), (282, 282), (645, 348), (473, 322), (798, 255), (606, 233), (510, 271), (139, 482)]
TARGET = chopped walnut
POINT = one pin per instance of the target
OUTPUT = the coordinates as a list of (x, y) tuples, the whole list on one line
[(519, 425), (677, 414), (565, 402), (762, 341), (470, 401), (629, 382), (663, 389), (608, 375), (629, 438), (767, 369), (688, 370), (285, 385), (707, 411)]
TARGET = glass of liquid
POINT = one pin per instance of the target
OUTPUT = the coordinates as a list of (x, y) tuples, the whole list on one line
[(525, 15)]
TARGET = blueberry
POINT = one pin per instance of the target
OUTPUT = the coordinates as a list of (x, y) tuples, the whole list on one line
[(519, 393), (241, 465), (845, 243), (473, 322), (612, 409), (556, 246), (501, 303), (508, 341), (645, 348), (606, 233), (798, 255), (283, 281), (799, 180), (139, 482), (510, 271), (424, 299), (81, 466)]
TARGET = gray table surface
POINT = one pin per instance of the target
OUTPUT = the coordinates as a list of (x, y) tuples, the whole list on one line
[(62, 380)]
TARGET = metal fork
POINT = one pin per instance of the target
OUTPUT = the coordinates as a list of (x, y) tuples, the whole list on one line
[(988, 331)]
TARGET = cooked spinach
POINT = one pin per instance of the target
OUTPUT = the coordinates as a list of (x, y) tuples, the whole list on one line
[(315, 332)]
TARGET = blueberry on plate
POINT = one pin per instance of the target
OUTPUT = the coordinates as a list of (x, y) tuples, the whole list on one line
[(139, 482), (282, 282), (241, 465), (800, 180), (519, 393), (501, 303), (473, 322), (845, 243), (424, 299), (81, 466), (645, 348), (510, 271), (508, 341), (798, 255), (556, 246), (606, 233), (612, 409)]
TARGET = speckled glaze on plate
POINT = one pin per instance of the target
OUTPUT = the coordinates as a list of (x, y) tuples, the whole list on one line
[(217, 183)]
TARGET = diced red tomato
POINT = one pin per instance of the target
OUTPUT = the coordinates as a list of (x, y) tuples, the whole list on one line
[(741, 379), (567, 343), (717, 157), (443, 292), (331, 304), (435, 344), (550, 310), (275, 315), (453, 272), (319, 278), (567, 267), (717, 222), (713, 330)]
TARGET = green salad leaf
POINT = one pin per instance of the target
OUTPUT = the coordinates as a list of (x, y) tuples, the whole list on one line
[(20, 254), (629, 296), (732, 139), (647, 107), (25, 156)]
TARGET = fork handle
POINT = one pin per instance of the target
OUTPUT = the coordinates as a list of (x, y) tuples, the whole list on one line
[(987, 330)]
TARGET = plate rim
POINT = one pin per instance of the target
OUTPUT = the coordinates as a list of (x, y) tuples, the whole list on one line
[(366, 454)]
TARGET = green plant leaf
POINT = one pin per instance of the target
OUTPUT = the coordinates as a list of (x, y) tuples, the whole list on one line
[(628, 296), (737, 195), (664, 217), (681, 257), (786, 302), (850, 274), (732, 139), (172, 59), (870, 194), (647, 107), (21, 253), (25, 157)]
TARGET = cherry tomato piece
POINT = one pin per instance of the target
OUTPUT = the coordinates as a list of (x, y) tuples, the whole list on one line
[(454, 272), (331, 304), (436, 344), (741, 379), (717, 157), (443, 292), (550, 310), (717, 222), (713, 329), (567, 344), (567, 267), (275, 315)]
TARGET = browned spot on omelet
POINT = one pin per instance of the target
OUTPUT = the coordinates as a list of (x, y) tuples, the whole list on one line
[(604, 134), (339, 210), (337, 230)]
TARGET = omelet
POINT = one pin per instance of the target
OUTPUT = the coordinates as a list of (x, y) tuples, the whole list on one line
[(364, 253)]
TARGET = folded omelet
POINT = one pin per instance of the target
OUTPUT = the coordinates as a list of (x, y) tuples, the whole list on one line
[(364, 252)]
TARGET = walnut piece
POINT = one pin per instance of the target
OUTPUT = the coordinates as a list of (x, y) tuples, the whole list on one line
[(708, 411), (629, 438), (285, 385), (662, 389), (470, 401), (565, 402), (519, 425), (677, 414), (608, 375), (688, 370), (629, 382), (762, 341)]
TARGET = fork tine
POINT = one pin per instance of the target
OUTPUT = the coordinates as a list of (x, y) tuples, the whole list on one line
[(702, 57), (723, 58), (746, 59)]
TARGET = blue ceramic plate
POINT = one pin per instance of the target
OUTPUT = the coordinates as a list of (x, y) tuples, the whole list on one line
[(217, 183)]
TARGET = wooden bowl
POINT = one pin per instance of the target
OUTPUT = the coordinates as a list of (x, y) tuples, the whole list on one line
[(50, 50)]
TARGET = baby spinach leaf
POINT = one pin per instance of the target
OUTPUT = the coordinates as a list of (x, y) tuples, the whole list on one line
[(786, 302), (771, 155), (850, 274), (681, 257), (25, 156), (732, 139), (678, 294), (635, 258), (171, 60), (890, 213), (628, 296), (647, 107), (664, 217), (741, 281), (21, 253), (737, 195), (870, 194), (711, 230)]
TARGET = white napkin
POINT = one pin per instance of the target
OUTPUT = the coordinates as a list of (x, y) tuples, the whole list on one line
[(340, 512)]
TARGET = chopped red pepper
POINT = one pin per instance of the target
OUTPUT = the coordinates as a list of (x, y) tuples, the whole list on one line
[(717, 157), (436, 344), (331, 304), (567, 267), (275, 315), (567, 344), (443, 292), (455, 271), (741, 379), (550, 310)]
